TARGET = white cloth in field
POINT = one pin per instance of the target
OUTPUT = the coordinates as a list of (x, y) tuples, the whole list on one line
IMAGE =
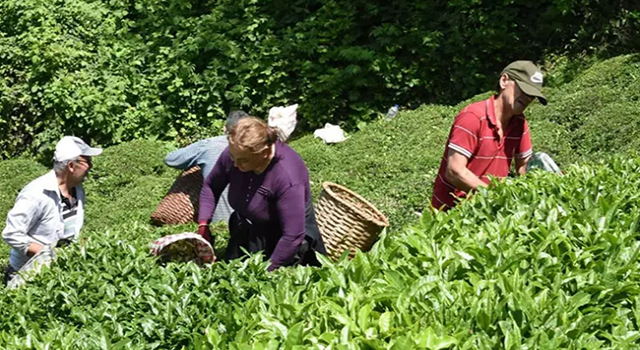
[(330, 133), (285, 119)]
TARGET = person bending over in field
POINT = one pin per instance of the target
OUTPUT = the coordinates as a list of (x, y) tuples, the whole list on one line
[(49, 211), (205, 153), (487, 135), (270, 195)]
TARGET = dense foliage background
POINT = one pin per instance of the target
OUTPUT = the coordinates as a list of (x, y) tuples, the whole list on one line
[(117, 70), (537, 262)]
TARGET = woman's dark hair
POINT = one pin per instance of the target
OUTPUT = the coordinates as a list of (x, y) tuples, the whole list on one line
[(233, 118)]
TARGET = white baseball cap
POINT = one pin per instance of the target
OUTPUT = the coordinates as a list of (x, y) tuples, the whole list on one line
[(70, 147)]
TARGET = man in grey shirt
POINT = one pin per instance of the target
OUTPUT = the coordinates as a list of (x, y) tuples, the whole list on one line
[(205, 153), (49, 211)]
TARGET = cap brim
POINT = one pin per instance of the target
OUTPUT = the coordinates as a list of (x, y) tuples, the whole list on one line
[(92, 152), (532, 91)]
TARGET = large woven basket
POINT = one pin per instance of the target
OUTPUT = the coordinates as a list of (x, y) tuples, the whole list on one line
[(347, 221), (180, 205)]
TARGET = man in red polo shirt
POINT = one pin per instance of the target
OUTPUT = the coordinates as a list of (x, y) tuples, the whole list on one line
[(487, 135)]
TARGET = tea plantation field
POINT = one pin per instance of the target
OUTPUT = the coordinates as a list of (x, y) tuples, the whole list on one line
[(537, 262)]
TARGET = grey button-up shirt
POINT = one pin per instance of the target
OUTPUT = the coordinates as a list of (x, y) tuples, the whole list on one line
[(37, 217)]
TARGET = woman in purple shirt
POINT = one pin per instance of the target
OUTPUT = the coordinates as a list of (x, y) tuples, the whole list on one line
[(270, 195)]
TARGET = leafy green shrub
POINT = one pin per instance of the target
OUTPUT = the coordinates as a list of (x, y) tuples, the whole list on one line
[(611, 81), (14, 175), (622, 121), (132, 202), (112, 71), (68, 67)]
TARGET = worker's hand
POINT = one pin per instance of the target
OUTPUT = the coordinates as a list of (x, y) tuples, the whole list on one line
[(34, 248), (205, 232)]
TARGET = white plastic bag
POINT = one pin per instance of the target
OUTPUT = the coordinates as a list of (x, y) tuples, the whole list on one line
[(285, 119), (330, 133), (542, 161), (43, 258)]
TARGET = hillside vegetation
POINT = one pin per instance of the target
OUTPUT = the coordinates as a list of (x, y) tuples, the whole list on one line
[(118, 70)]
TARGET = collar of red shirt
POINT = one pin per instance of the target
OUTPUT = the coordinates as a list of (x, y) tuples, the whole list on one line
[(491, 111)]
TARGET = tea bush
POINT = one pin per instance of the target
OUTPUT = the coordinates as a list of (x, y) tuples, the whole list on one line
[(595, 113), (123, 164), (541, 262)]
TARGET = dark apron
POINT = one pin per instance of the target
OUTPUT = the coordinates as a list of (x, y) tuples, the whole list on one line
[(255, 238), (9, 272)]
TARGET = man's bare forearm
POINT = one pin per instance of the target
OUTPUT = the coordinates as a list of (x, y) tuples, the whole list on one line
[(464, 179)]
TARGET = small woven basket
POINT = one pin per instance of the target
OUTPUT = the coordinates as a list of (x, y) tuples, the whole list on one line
[(347, 221), (180, 205), (183, 247)]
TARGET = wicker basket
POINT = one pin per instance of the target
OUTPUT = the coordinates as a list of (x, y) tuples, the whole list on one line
[(180, 205), (183, 247), (347, 221)]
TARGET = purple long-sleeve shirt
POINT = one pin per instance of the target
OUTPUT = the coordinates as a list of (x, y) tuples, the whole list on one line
[(273, 201)]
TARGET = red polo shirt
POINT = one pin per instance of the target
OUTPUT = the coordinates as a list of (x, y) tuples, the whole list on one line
[(475, 135)]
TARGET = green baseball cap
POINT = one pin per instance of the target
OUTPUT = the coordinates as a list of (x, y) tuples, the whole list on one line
[(528, 77)]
